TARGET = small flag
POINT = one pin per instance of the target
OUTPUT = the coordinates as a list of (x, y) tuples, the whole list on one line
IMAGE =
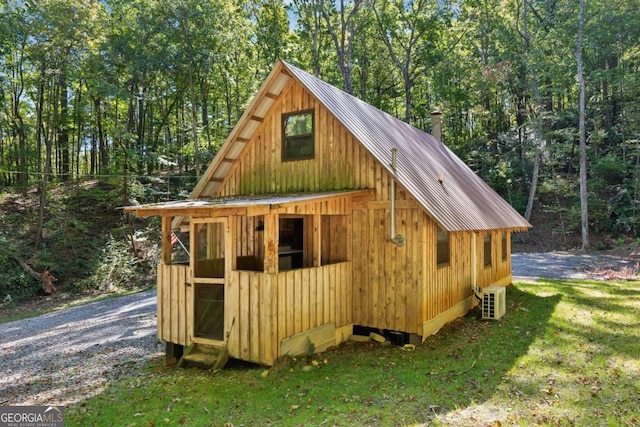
[(174, 238)]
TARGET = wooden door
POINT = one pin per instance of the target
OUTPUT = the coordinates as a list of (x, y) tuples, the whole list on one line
[(209, 261)]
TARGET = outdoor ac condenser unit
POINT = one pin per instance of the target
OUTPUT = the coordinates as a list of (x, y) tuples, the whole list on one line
[(494, 302)]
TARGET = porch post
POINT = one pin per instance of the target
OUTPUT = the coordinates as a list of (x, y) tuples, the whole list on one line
[(317, 240), (271, 242), (166, 240)]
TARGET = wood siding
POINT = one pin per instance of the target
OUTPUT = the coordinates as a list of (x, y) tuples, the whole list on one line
[(174, 309), (263, 309), (387, 279), (366, 281), (340, 162), (260, 309), (499, 268), (445, 286)]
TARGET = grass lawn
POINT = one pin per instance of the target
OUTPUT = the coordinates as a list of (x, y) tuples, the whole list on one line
[(566, 353)]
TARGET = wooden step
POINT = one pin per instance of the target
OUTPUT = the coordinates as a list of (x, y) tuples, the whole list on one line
[(204, 356)]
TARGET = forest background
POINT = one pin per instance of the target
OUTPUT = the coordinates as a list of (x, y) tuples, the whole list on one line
[(109, 103)]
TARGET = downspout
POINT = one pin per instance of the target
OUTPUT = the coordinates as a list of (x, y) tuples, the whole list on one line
[(397, 239)]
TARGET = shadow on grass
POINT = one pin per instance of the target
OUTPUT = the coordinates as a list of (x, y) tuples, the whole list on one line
[(580, 369), (352, 384), (604, 314), (491, 349)]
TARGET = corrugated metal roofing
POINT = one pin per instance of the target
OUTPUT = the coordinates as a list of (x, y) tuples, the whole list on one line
[(273, 200), (462, 201)]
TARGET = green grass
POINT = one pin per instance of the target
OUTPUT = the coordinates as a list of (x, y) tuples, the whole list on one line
[(565, 354)]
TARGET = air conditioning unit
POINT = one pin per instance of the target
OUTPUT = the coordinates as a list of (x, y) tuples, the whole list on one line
[(494, 302)]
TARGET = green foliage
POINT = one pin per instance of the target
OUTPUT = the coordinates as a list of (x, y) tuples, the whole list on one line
[(610, 170), (86, 244), (15, 283), (130, 75), (118, 269)]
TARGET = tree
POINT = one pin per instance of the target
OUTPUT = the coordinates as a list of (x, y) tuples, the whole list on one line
[(584, 210), (403, 26), (343, 25)]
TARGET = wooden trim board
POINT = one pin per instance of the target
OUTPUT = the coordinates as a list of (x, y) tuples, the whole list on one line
[(322, 337), (432, 326)]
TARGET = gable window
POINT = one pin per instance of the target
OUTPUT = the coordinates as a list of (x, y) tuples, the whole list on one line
[(297, 136), (443, 247), (504, 246), (487, 249)]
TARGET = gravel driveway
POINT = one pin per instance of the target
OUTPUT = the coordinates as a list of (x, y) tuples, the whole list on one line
[(570, 265), (66, 356)]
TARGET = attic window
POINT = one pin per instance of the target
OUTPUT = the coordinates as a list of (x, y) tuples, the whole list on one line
[(443, 247), (297, 136)]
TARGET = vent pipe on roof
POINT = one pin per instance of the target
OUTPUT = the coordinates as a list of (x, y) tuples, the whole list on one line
[(436, 124), (396, 239)]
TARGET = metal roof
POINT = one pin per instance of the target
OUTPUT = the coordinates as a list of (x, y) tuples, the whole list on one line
[(271, 201), (460, 201)]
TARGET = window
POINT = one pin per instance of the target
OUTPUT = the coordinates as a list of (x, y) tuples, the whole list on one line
[(297, 136), (291, 244), (443, 247), (487, 249), (504, 246)]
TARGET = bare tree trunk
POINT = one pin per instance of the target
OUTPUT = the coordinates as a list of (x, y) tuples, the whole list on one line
[(48, 167), (102, 146), (63, 128), (194, 123), (18, 121), (41, 208), (584, 211), (539, 136), (343, 42)]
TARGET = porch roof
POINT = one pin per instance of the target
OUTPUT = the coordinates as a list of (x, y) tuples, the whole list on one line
[(237, 205)]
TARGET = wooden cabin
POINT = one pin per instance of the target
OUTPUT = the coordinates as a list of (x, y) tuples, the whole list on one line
[(321, 213)]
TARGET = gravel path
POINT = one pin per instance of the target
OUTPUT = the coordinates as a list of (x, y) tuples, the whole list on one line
[(571, 265), (66, 356)]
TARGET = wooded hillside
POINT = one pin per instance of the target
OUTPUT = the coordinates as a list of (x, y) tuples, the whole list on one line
[(127, 89)]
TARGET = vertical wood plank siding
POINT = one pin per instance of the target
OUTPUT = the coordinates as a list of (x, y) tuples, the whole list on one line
[(173, 298), (387, 279), (371, 281), (335, 165), (272, 307), (498, 268)]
